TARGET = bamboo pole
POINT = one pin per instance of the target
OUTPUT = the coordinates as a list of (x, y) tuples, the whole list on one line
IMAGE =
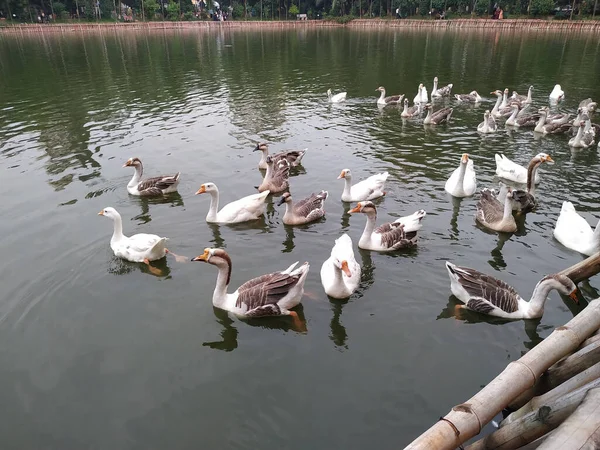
[(584, 269), (581, 430), (560, 372), (536, 423), (576, 382), (467, 419)]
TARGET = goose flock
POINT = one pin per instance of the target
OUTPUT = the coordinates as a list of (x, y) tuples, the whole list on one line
[(276, 294)]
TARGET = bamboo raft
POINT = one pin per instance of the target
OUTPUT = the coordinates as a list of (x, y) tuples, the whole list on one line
[(553, 391), (479, 24)]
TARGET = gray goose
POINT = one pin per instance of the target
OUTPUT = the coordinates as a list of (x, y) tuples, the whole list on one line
[(294, 157), (494, 215), (488, 295), (524, 121), (525, 201), (164, 184), (443, 91), (277, 177), (413, 111), (523, 99), (471, 97), (438, 117), (499, 110), (390, 100), (582, 139), (305, 211), (273, 294), (558, 125)]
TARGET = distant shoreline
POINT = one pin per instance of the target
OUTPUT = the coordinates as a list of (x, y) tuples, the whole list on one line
[(455, 24)]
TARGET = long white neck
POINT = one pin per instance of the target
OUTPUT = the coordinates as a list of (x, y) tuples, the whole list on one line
[(434, 86), (497, 105), (369, 227), (382, 96), (461, 175), (427, 117), (137, 175), (269, 173), (289, 208), (220, 292), (329, 95), (263, 157), (540, 295), (508, 204), (117, 229), (588, 125), (338, 279), (214, 206), (513, 117), (540, 125), (529, 99), (578, 137), (405, 110), (504, 100), (347, 186)]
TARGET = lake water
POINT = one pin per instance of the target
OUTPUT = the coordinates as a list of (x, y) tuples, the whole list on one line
[(99, 353)]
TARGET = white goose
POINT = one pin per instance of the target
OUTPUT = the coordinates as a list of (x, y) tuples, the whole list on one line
[(272, 294), (523, 99), (488, 125), (421, 96), (402, 233), (557, 94), (462, 182), (488, 295), (340, 273), (367, 189), (164, 184), (337, 98), (574, 232), (509, 170), (245, 209), (580, 140), (140, 247)]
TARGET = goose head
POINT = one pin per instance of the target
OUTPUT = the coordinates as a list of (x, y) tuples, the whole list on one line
[(562, 284), (207, 187), (328, 92), (544, 157), (367, 207), (435, 79), (506, 91), (464, 159), (380, 89), (285, 198), (406, 102), (427, 106), (133, 162), (342, 265), (498, 92), (261, 146), (345, 174), (217, 257), (486, 115), (109, 212)]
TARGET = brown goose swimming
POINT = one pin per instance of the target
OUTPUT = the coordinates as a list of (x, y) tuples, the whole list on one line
[(525, 201), (488, 295), (438, 117), (294, 157), (524, 121), (413, 111), (443, 91), (471, 97), (274, 294), (386, 101), (305, 211), (277, 177), (492, 214), (164, 184)]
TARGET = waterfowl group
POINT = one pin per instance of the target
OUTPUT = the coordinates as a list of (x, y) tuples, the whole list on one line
[(277, 293)]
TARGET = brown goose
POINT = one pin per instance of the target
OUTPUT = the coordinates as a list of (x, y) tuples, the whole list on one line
[(525, 121), (164, 184), (488, 295), (273, 294), (558, 125), (438, 117), (305, 211), (522, 99), (471, 97), (294, 157), (277, 177), (494, 215), (499, 110), (402, 233), (443, 91), (413, 111), (525, 201), (391, 100)]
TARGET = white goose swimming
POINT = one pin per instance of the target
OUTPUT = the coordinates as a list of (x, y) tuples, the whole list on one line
[(340, 273), (574, 232), (367, 189), (488, 295), (523, 99), (557, 94), (499, 110), (164, 184), (421, 96), (509, 170), (402, 233), (245, 209), (273, 294), (337, 98), (488, 125), (462, 182), (580, 140), (140, 247)]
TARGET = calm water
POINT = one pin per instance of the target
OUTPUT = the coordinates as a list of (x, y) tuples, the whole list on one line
[(99, 353)]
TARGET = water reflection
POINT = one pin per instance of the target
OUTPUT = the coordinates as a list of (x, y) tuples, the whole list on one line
[(497, 261), (338, 334), (173, 199), (288, 243), (456, 202), (217, 241), (160, 268)]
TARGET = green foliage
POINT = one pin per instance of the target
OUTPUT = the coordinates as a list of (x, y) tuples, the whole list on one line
[(151, 7), (173, 10), (238, 10), (294, 10), (541, 7), (341, 19), (59, 8)]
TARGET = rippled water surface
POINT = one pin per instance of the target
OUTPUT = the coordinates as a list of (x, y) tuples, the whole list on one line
[(99, 353)]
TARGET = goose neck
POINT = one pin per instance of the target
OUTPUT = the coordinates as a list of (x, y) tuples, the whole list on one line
[(214, 206), (117, 228), (137, 175), (496, 107), (540, 295), (369, 227), (531, 172), (223, 278)]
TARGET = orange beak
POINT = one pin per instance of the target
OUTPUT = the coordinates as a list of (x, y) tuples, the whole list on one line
[(203, 257), (355, 209), (202, 190), (101, 213), (128, 163), (465, 158), (548, 159), (342, 175), (346, 269), (573, 296)]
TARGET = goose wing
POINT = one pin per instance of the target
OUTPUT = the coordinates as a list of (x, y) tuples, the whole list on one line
[(486, 291), (310, 205), (266, 290), (444, 91), (394, 98), (394, 235), (155, 185), (489, 208)]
